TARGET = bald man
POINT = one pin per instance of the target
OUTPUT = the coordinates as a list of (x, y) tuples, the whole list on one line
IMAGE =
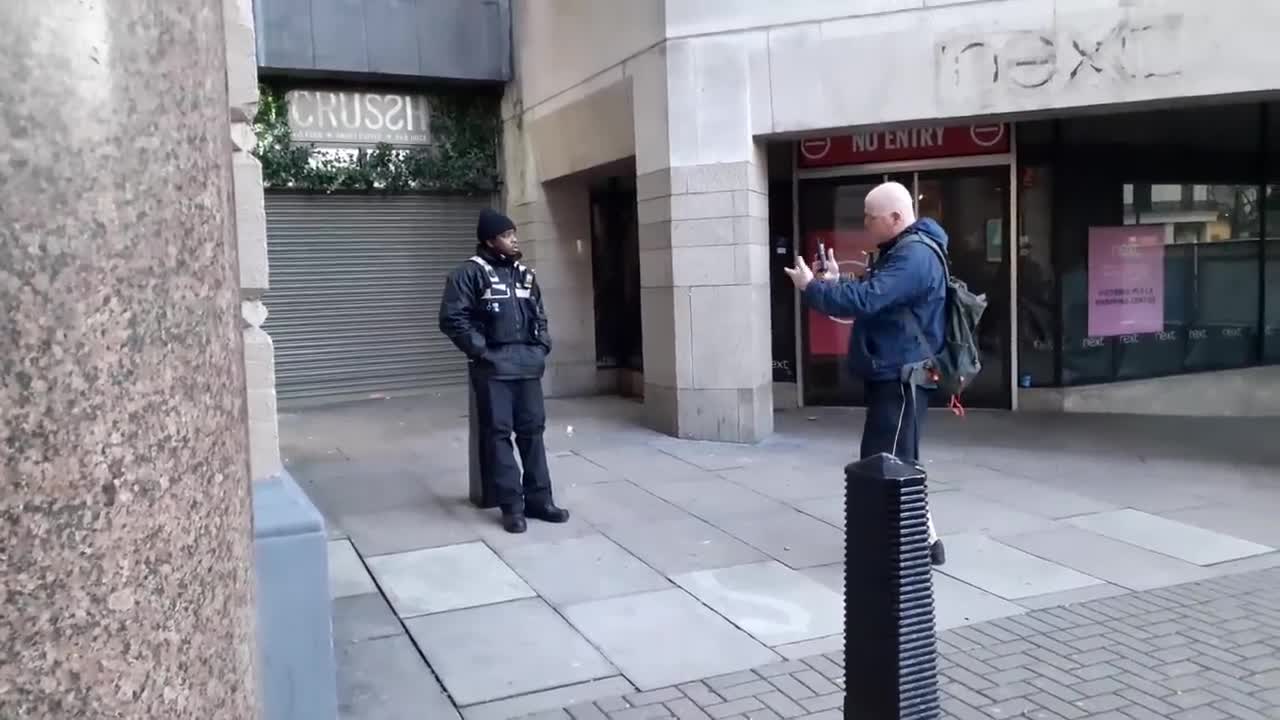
[(898, 307)]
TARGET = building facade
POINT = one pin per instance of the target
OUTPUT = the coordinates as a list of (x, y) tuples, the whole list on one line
[(1107, 172), (378, 135)]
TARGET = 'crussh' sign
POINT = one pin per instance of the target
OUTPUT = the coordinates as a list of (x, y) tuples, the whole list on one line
[(344, 118)]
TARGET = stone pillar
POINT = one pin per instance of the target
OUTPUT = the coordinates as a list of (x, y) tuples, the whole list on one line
[(704, 267), (124, 486), (295, 633), (554, 221), (251, 239)]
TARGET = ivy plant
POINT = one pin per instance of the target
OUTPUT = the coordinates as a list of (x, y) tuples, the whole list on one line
[(463, 155)]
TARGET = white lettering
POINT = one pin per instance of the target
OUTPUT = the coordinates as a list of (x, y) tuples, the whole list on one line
[(904, 139), (396, 104), (372, 111), (1167, 336), (1093, 342), (295, 114), (1198, 334), (350, 122), (326, 108), (938, 134), (1129, 340), (1233, 332)]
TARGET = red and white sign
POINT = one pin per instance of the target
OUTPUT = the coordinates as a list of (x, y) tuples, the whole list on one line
[(829, 335), (917, 143)]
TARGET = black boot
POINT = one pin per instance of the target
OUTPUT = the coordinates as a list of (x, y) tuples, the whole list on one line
[(937, 554), (548, 513), (513, 522)]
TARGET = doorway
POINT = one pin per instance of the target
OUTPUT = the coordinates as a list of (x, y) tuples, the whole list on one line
[(615, 270), (973, 206)]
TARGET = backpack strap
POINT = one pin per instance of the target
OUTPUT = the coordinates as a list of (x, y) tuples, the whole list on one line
[(905, 312)]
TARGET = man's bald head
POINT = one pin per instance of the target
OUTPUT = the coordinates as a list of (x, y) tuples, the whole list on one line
[(889, 209)]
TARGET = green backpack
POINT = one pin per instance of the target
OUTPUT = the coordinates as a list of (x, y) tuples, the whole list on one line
[(953, 368)]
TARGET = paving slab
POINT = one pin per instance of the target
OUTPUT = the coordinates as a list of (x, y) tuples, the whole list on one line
[(576, 696), (1073, 597), (363, 617), (1028, 496), (644, 465), (831, 576), (580, 569), (387, 680), (1116, 562), (683, 545), (447, 578), (789, 482), (1253, 523), (956, 512), (572, 469), (829, 510), (956, 604), (500, 651), (773, 603), (1007, 572), (714, 497), (409, 528), (617, 503), (488, 524), (636, 632), (347, 573), (1169, 537), (789, 536)]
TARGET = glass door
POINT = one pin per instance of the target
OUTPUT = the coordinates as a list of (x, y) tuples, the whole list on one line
[(972, 205)]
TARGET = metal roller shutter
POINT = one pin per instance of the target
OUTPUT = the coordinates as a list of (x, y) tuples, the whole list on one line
[(355, 290)]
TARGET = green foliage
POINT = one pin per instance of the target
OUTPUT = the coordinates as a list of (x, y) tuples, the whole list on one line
[(463, 156)]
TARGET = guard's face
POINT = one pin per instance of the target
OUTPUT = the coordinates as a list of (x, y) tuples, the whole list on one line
[(506, 244)]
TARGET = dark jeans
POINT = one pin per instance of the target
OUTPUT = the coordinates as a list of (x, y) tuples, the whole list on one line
[(895, 416), (504, 407)]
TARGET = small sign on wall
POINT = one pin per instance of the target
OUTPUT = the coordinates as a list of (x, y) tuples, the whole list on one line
[(345, 118)]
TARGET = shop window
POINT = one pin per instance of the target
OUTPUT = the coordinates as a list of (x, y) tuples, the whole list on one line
[(1271, 288), (1271, 245), (1159, 226), (1037, 289)]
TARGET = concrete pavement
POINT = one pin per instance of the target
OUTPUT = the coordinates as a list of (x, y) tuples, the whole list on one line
[(734, 550)]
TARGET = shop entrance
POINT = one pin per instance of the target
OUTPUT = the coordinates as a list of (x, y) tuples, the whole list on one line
[(973, 205)]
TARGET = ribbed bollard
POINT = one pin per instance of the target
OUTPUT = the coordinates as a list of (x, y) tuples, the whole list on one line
[(891, 668)]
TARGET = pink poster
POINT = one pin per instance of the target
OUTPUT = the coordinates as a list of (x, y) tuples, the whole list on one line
[(1126, 280)]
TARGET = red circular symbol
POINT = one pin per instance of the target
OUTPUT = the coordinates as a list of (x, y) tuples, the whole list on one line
[(816, 149), (987, 135)]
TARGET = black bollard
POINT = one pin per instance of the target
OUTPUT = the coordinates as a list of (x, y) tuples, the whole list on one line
[(891, 670), (480, 492)]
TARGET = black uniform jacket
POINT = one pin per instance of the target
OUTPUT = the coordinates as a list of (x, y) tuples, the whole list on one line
[(496, 319)]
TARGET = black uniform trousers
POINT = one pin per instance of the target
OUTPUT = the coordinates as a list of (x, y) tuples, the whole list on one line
[(505, 407), (895, 416)]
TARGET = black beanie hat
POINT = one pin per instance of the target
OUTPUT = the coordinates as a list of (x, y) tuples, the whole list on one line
[(492, 224)]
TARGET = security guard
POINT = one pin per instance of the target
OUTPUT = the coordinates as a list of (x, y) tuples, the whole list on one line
[(492, 310)]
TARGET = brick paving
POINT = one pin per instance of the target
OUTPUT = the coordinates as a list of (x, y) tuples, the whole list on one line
[(1203, 651)]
